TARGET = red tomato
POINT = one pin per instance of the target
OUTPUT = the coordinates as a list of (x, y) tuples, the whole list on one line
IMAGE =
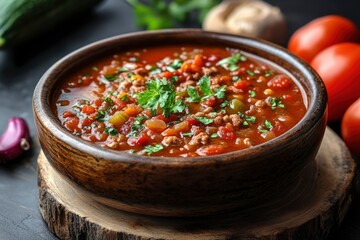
[(280, 82), (338, 66), (350, 127), (210, 150), (226, 133), (243, 85), (321, 33)]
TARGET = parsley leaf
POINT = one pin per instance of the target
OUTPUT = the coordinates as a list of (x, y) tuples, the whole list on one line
[(149, 149), (112, 131), (193, 94), (111, 77), (204, 120), (136, 126), (100, 115), (157, 14), (224, 103), (204, 84), (230, 63), (214, 135), (249, 72), (276, 102), (188, 134), (160, 93), (220, 92), (247, 119), (268, 124), (176, 64), (252, 93)]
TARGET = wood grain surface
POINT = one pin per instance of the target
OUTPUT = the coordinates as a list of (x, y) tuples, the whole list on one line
[(312, 211)]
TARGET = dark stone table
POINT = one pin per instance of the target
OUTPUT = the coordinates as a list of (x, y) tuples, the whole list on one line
[(20, 70)]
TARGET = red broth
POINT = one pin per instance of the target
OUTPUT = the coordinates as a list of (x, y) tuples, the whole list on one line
[(179, 101)]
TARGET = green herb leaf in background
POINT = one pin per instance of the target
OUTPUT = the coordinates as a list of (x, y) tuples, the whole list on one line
[(158, 14)]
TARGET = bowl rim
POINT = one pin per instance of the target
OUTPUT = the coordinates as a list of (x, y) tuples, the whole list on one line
[(315, 110)]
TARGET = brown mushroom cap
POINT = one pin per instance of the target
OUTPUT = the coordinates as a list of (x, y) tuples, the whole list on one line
[(252, 18)]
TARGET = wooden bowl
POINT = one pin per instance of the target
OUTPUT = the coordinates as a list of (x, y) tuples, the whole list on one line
[(166, 186)]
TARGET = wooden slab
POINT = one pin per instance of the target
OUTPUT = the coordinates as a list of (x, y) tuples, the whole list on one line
[(312, 211)]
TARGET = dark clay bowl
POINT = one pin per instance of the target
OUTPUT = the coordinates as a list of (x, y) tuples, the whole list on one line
[(167, 186)]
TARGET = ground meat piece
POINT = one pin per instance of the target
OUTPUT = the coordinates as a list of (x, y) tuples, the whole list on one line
[(141, 71), (209, 71), (199, 114), (233, 89), (135, 89), (201, 138), (188, 83), (247, 142), (226, 118), (218, 120), (196, 76), (124, 86), (260, 103), (139, 82), (195, 130), (211, 130), (171, 141), (207, 110), (236, 120)]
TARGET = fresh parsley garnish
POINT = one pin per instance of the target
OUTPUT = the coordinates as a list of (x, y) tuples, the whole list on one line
[(111, 77), (100, 115), (267, 125), (231, 63), (276, 102), (204, 85), (160, 93), (176, 64), (220, 92), (174, 79), (149, 149), (268, 73), (235, 78), (124, 98), (188, 134), (193, 94), (249, 72), (214, 135), (155, 71), (157, 14), (224, 103), (204, 120), (122, 69), (252, 93), (108, 100), (136, 126), (247, 119), (111, 130)]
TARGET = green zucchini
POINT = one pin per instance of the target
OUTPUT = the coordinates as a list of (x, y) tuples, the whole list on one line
[(21, 20)]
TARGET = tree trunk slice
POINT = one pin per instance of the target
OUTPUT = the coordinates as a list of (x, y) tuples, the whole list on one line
[(312, 211)]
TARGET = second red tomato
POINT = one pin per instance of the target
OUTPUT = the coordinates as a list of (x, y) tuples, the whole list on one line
[(321, 33), (339, 68)]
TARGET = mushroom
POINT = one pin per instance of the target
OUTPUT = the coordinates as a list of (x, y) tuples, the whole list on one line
[(252, 18)]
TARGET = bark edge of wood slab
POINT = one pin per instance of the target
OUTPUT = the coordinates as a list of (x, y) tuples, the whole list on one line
[(314, 214)]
